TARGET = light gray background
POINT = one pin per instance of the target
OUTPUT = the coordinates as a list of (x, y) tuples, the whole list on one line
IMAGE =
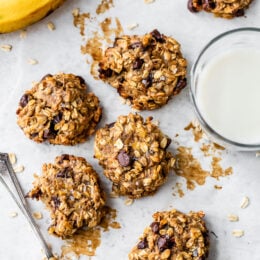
[(60, 51)]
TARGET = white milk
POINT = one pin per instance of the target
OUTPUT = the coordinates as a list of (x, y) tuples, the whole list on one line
[(228, 95)]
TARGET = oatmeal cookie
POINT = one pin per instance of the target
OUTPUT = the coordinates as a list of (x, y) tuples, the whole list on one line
[(59, 110), (134, 155), (71, 191), (220, 8), (146, 70), (173, 235)]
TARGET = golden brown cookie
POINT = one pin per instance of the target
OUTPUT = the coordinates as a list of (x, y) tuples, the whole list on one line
[(173, 235), (220, 8), (133, 153), (59, 110), (71, 191), (146, 70)]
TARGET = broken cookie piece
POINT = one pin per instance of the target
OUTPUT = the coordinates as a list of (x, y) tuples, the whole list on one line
[(173, 235), (220, 8), (146, 70), (71, 191), (59, 110), (133, 153)]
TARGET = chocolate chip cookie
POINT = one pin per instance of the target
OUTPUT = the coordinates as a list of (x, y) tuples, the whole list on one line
[(146, 70), (220, 8), (133, 153), (71, 191), (173, 235), (59, 110)]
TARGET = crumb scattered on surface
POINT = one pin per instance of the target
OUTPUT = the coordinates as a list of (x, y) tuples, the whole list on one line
[(104, 6)]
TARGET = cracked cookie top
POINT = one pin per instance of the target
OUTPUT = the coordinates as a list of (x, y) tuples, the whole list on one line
[(71, 192), (133, 153), (173, 235), (146, 70), (220, 8), (59, 110)]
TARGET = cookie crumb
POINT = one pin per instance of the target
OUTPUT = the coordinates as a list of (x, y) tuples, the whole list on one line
[(12, 158), (51, 26), (217, 187), (13, 214), (32, 61), (18, 168), (37, 215), (149, 1), (132, 26), (6, 47), (233, 218), (245, 202), (238, 233)]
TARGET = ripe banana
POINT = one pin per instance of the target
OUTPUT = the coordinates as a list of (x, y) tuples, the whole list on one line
[(17, 14)]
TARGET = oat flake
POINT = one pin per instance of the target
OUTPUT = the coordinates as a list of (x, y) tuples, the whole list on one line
[(244, 203), (238, 233)]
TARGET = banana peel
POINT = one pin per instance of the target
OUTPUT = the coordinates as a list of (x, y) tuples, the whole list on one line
[(17, 14)]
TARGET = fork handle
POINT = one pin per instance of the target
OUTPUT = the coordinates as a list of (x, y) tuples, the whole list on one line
[(22, 204)]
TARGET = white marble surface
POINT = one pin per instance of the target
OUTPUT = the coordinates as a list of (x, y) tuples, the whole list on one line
[(60, 51)]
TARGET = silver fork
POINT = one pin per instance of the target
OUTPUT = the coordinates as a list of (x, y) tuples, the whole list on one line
[(6, 170)]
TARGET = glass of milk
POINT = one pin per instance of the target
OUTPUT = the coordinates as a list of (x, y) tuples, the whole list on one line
[(225, 88)]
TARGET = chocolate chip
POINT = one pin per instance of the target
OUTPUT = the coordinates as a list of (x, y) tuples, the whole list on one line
[(64, 157), (155, 227), (158, 36), (240, 12), (57, 118), (138, 64), (191, 7), (35, 195), (135, 45), (148, 81), (51, 132), (81, 80), (56, 201), (180, 85), (24, 100), (209, 5), (46, 76), (123, 158), (142, 244), (169, 140), (105, 73), (65, 173), (47, 134), (164, 242)]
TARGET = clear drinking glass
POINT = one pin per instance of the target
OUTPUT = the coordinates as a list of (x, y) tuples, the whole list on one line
[(231, 40)]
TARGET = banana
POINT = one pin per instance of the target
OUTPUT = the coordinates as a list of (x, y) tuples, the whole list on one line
[(17, 14)]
